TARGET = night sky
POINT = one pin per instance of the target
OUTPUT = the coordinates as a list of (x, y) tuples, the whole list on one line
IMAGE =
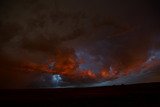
[(50, 43)]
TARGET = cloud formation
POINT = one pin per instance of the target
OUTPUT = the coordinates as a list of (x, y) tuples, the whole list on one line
[(103, 33)]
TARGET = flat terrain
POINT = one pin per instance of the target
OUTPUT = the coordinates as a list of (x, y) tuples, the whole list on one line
[(147, 94)]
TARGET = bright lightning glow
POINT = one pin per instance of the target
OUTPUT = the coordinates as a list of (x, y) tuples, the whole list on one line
[(56, 79)]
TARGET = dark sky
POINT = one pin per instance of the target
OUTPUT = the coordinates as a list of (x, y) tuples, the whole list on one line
[(117, 33)]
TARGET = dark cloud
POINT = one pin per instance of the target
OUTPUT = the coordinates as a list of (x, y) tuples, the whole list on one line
[(115, 33)]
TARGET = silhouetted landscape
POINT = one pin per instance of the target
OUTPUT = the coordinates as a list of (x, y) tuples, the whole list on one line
[(147, 94)]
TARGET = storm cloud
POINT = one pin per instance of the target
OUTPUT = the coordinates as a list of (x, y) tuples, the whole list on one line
[(103, 33)]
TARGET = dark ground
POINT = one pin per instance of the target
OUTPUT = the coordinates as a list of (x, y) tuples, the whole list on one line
[(142, 95)]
